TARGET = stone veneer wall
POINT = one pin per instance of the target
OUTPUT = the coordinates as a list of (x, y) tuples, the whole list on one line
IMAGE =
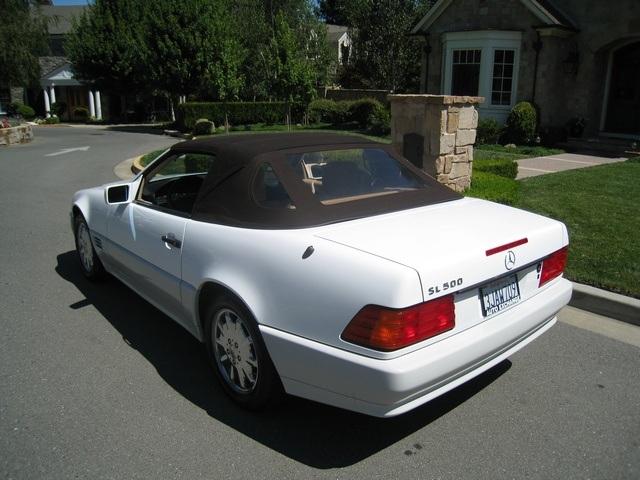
[(446, 126), (559, 95), (20, 134)]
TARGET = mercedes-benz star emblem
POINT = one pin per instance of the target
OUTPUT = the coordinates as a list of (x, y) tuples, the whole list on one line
[(509, 260)]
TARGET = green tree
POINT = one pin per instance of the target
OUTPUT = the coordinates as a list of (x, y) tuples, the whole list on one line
[(278, 35), (293, 74), (334, 11), (108, 48), (23, 30), (383, 55), (192, 49)]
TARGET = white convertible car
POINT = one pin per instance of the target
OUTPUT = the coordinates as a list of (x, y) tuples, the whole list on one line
[(326, 266)]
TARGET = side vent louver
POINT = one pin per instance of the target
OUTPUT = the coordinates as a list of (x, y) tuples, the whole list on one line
[(97, 241)]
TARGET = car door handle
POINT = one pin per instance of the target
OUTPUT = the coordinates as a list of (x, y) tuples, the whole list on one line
[(171, 240)]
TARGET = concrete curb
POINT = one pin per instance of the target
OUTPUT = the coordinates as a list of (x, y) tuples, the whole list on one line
[(125, 169), (609, 304), (136, 164)]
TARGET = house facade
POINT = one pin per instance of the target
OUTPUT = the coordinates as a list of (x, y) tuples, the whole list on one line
[(57, 83), (574, 59), (339, 42)]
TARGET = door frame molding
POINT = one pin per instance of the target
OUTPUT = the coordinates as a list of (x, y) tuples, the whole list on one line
[(607, 87)]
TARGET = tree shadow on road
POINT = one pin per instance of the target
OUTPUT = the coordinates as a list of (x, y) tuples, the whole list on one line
[(149, 129), (316, 435)]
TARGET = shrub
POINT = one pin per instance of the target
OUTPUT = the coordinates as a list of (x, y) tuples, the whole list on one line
[(502, 167), (368, 113), (493, 187), (238, 113), (341, 113), (380, 121), (25, 111), (53, 119), (58, 108), (363, 110), (204, 127), (321, 110), (521, 124), (575, 126), (552, 135), (12, 108), (489, 131), (81, 112)]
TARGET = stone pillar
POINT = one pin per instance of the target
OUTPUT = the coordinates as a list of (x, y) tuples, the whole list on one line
[(445, 129), (92, 105), (98, 105), (52, 88), (16, 94), (47, 105)]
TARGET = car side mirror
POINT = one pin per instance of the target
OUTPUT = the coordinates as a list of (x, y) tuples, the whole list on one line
[(117, 194)]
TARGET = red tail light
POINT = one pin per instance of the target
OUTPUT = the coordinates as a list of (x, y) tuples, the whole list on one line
[(553, 265), (388, 329)]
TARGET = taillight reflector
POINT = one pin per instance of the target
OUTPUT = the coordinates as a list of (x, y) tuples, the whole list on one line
[(553, 265), (388, 329)]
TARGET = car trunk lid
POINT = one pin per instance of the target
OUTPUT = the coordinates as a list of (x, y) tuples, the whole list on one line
[(456, 245)]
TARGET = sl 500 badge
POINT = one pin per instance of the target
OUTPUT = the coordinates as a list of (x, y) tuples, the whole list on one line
[(445, 286)]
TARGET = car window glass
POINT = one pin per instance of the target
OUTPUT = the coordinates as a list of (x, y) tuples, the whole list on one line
[(268, 191), (338, 176), (175, 183)]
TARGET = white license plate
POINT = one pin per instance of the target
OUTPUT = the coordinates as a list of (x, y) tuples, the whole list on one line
[(499, 295)]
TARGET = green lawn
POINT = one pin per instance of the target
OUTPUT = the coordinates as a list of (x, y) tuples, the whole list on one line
[(147, 158), (601, 208)]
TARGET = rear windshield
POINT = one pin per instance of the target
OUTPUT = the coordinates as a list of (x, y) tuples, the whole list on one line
[(339, 176)]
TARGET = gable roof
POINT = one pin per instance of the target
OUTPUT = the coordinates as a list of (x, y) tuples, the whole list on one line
[(544, 10), (335, 32), (61, 76)]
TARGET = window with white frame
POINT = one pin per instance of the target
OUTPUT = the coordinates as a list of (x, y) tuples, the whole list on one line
[(483, 63), (502, 83), (465, 72)]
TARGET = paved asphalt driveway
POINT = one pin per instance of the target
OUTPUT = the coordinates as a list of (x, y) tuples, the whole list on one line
[(96, 383)]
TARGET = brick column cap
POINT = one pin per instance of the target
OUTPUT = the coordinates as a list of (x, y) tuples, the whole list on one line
[(435, 99)]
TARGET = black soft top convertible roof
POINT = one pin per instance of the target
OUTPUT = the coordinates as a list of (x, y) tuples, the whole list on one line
[(226, 196), (241, 149)]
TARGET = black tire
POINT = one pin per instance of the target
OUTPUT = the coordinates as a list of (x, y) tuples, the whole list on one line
[(234, 363), (90, 264)]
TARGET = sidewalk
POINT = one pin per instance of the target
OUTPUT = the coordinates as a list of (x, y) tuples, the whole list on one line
[(532, 167)]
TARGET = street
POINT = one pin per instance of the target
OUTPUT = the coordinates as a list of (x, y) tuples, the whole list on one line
[(97, 383)]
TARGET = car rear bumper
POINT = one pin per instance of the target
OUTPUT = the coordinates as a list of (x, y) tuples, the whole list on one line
[(386, 388)]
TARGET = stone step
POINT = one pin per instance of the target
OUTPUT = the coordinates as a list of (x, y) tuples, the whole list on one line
[(607, 145)]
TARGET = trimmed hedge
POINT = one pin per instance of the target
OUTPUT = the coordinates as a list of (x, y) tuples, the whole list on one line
[(237, 113), (493, 187), (368, 113), (322, 110), (502, 167)]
